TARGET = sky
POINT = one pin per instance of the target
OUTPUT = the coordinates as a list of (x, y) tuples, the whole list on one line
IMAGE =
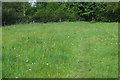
[(32, 2)]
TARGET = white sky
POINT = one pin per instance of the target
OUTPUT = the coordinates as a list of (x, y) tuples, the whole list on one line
[(32, 2)]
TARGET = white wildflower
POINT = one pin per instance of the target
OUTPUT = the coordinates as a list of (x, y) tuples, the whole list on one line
[(33, 63), (16, 77), (47, 64), (26, 60), (30, 69)]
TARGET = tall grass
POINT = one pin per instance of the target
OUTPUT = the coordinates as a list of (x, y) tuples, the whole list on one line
[(60, 50)]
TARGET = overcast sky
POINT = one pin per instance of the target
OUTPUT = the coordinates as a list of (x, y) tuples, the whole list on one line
[(32, 2)]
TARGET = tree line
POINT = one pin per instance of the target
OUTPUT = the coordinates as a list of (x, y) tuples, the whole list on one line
[(24, 12)]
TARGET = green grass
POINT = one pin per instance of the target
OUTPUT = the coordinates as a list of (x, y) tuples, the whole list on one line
[(60, 50)]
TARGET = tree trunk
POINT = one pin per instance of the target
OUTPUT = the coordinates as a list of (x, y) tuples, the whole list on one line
[(24, 9), (92, 18), (60, 20), (4, 23)]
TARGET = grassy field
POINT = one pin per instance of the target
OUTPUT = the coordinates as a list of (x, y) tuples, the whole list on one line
[(60, 50)]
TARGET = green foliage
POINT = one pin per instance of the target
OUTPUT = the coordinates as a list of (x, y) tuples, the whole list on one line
[(14, 13), (60, 11)]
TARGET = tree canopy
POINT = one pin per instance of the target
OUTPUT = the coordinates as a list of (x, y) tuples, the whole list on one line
[(23, 12)]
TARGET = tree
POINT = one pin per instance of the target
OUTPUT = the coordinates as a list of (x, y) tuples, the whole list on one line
[(14, 13)]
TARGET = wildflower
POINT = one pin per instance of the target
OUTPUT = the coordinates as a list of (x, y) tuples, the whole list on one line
[(27, 61), (30, 69), (47, 64), (16, 77), (33, 63)]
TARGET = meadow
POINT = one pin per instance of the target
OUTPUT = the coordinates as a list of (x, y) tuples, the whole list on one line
[(60, 50)]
